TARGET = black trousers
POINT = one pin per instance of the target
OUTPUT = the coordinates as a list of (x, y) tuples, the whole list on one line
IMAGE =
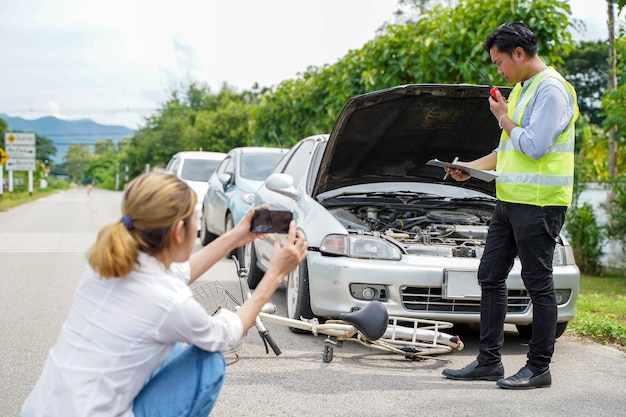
[(529, 232)]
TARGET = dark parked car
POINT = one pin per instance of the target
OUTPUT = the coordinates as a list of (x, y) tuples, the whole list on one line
[(383, 225)]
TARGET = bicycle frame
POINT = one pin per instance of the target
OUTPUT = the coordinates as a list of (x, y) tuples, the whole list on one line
[(415, 339), (420, 340)]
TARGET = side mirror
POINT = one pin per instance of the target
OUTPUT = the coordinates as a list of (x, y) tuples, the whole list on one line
[(226, 179), (282, 184)]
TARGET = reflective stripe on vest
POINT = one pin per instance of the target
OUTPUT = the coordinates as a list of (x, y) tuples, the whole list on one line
[(548, 181)]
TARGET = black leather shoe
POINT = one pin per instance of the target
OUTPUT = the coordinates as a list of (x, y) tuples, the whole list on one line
[(475, 372), (525, 379)]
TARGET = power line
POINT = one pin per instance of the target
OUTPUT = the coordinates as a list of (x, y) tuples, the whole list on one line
[(77, 112), (46, 134)]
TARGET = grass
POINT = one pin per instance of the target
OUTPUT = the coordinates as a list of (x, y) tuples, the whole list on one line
[(9, 200), (601, 310), (20, 194)]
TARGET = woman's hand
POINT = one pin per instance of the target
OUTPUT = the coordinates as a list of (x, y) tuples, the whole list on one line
[(241, 232), (286, 257)]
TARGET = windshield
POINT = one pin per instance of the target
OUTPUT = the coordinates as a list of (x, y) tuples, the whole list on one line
[(198, 169), (258, 166)]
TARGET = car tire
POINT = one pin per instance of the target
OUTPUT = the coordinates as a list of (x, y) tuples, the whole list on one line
[(255, 274), (298, 295), (205, 236), (526, 330)]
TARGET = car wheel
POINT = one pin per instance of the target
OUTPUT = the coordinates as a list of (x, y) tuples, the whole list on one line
[(560, 329), (255, 275), (526, 330), (298, 296), (205, 236)]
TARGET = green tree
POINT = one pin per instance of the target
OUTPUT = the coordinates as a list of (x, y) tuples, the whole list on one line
[(613, 102), (76, 158), (3, 129), (161, 137), (434, 48), (193, 119), (586, 68), (45, 150), (104, 147), (101, 171)]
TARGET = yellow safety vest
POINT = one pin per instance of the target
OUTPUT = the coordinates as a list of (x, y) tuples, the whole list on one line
[(548, 181)]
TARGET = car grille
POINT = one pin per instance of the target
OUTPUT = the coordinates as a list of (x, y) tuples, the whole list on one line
[(431, 300)]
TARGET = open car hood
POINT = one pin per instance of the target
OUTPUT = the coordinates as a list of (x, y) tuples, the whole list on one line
[(389, 135)]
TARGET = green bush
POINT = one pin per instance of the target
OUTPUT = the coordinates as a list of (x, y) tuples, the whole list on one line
[(57, 183), (585, 237)]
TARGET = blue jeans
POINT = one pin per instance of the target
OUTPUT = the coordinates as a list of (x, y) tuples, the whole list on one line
[(186, 384), (529, 232)]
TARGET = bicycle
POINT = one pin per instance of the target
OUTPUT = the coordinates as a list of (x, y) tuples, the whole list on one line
[(370, 326)]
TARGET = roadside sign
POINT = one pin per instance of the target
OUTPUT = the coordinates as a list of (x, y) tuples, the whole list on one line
[(19, 138), (3, 156), (20, 165), (21, 150)]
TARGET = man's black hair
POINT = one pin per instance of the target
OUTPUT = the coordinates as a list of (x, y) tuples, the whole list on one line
[(511, 35)]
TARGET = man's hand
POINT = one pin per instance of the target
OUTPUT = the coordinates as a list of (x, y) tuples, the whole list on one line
[(500, 107), (457, 174)]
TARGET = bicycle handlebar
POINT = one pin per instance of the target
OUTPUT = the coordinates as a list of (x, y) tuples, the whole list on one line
[(268, 340)]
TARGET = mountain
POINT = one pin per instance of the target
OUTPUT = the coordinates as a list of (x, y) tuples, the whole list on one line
[(63, 133)]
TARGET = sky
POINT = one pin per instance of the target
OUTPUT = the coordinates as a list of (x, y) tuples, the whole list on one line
[(117, 61)]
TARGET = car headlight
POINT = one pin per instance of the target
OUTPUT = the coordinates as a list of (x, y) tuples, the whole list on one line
[(360, 246), (563, 255)]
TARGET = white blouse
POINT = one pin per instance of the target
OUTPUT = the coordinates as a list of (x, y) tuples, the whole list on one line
[(119, 330)]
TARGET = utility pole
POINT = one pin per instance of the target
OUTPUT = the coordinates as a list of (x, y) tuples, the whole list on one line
[(612, 86), (117, 176)]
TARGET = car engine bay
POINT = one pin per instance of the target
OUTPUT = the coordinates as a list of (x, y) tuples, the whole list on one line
[(458, 232)]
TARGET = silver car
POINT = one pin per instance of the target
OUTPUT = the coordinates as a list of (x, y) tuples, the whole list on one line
[(384, 225), (230, 188)]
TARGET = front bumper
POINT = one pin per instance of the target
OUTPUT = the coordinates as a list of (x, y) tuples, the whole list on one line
[(426, 287)]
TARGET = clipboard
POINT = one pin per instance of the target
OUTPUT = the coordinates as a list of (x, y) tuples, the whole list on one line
[(486, 176)]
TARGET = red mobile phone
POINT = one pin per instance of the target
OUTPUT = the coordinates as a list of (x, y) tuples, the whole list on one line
[(271, 221)]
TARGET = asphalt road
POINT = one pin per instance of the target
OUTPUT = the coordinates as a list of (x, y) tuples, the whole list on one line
[(42, 247)]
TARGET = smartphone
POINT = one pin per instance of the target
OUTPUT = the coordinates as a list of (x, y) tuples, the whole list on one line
[(271, 221)]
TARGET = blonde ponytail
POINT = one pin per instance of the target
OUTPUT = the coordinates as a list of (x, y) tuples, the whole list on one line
[(151, 206)]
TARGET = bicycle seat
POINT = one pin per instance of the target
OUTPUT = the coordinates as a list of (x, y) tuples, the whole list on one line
[(371, 320)]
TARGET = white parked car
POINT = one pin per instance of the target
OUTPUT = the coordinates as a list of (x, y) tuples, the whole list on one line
[(195, 168), (383, 225)]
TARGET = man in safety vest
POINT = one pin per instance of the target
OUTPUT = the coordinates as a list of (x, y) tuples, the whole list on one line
[(535, 165)]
